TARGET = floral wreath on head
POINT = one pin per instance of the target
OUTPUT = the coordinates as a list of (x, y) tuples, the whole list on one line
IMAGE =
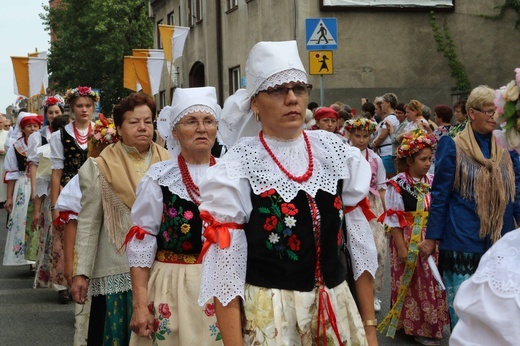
[(104, 131), (55, 100), (508, 111), (361, 124), (85, 91), (414, 142)]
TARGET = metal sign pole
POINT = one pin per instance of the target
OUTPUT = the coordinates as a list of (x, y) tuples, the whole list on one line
[(322, 91)]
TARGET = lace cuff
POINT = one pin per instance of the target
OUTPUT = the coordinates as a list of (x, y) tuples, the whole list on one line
[(360, 243), (141, 250), (13, 175), (224, 270)]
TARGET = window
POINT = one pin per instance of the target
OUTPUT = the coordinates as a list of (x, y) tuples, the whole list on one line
[(234, 79), (231, 4), (159, 41), (162, 99), (171, 18), (194, 12)]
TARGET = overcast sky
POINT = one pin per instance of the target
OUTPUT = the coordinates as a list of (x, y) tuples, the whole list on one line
[(22, 32)]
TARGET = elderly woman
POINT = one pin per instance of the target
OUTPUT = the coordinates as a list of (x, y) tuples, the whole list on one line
[(22, 242), (274, 209), (108, 185), (473, 195), (165, 277)]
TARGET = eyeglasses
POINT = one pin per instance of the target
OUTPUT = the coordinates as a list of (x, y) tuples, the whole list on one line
[(488, 112), (300, 90), (193, 123)]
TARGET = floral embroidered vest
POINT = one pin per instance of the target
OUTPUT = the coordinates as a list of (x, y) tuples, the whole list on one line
[(282, 251), (181, 227), (75, 157)]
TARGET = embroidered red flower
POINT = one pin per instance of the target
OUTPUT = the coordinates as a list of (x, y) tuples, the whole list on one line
[(155, 325), (164, 310), (340, 237), (209, 310), (294, 243), (151, 308), (270, 223), (289, 209), (337, 203), (268, 193), (186, 246)]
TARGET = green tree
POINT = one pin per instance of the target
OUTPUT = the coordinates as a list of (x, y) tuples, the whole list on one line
[(92, 37)]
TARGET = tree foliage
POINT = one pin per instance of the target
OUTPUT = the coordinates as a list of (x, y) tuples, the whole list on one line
[(92, 37)]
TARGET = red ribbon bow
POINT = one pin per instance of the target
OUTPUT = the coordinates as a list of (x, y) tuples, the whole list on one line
[(137, 232), (364, 204), (216, 232), (63, 217), (401, 215)]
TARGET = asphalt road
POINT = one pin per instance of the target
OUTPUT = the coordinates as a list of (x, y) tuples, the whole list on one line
[(30, 317)]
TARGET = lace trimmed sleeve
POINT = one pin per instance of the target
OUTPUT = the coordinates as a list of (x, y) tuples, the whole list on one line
[(360, 243), (57, 157), (146, 214), (224, 269)]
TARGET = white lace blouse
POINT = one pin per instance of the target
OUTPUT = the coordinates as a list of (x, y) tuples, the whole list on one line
[(148, 206), (70, 198), (225, 193)]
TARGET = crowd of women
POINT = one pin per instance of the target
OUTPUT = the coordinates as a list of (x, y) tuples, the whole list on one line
[(281, 241)]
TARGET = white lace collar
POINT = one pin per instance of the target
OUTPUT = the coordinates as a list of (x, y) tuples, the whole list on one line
[(248, 159), (499, 267), (168, 174)]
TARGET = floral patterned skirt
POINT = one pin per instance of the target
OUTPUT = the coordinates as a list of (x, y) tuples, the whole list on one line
[(15, 245), (381, 240), (282, 317), (43, 255), (173, 290)]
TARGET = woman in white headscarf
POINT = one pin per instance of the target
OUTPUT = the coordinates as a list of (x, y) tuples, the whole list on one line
[(274, 207), (166, 239)]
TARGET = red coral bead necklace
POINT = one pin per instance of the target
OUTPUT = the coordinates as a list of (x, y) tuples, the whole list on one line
[(82, 139), (302, 178), (191, 187)]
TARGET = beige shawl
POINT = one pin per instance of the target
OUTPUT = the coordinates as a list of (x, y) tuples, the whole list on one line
[(490, 181)]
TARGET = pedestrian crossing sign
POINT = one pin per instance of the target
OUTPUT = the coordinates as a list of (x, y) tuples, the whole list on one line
[(320, 62), (321, 33)]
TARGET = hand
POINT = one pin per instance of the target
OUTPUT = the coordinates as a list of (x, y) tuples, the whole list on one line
[(35, 223), (427, 247), (371, 335), (79, 289), (55, 214), (8, 205), (142, 322), (402, 254)]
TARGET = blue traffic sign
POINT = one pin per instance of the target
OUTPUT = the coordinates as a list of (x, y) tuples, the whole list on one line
[(321, 33)]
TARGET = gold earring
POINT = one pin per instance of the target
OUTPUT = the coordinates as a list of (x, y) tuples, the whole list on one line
[(257, 116)]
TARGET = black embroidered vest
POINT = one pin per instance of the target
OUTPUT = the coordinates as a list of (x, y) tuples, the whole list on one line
[(282, 251), (408, 193), (42, 135), (21, 161), (75, 157), (181, 226)]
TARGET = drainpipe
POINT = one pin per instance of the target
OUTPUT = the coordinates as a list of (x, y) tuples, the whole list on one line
[(219, 53)]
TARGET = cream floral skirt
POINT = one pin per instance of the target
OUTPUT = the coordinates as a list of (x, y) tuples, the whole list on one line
[(282, 317)]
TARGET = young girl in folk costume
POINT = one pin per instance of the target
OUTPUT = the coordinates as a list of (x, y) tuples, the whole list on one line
[(69, 150), (359, 131), (22, 242), (69, 205), (418, 303), (40, 173)]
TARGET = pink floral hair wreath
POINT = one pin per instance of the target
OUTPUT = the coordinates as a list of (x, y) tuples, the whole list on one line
[(415, 142), (84, 91)]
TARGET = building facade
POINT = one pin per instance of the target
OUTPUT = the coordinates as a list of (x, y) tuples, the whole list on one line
[(379, 49)]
